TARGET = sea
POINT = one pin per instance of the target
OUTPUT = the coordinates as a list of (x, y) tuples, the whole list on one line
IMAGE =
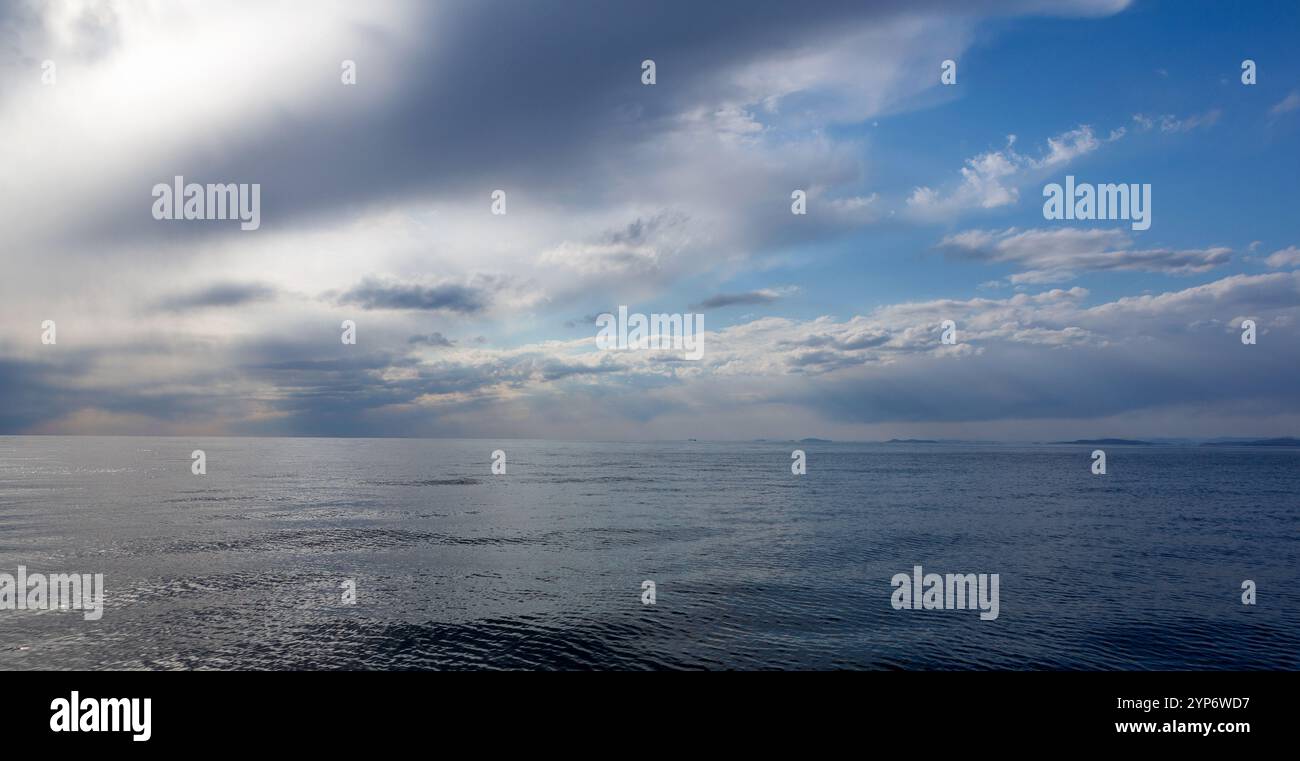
[(361, 554)]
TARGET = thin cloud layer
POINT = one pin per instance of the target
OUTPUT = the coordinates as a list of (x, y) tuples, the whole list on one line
[(1057, 255)]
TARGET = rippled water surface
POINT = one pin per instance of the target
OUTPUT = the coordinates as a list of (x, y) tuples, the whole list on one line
[(542, 567)]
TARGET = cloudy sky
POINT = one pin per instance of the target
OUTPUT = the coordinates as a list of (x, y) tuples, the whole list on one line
[(924, 204)]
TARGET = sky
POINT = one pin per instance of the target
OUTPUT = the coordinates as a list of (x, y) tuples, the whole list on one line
[(924, 203)]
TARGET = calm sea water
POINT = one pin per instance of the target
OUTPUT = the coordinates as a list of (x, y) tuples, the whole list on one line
[(542, 567)]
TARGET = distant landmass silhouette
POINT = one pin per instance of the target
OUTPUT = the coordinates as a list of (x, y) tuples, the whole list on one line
[(1112, 442), (1285, 441)]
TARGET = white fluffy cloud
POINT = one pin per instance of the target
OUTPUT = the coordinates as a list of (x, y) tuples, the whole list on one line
[(993, 179), (1286, 257)]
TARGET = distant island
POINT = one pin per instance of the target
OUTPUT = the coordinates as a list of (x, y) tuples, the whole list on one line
[(815, 441), (911, 441), (1286, 441), (1109, 442)]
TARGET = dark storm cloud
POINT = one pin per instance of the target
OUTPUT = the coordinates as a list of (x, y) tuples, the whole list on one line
[(732, 299), (823, 361), (447, 297), (588, 319), (320, 391), (41, 392), (219, 295), (33, 392), (434, 339), (372, 361), (867, 341)]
